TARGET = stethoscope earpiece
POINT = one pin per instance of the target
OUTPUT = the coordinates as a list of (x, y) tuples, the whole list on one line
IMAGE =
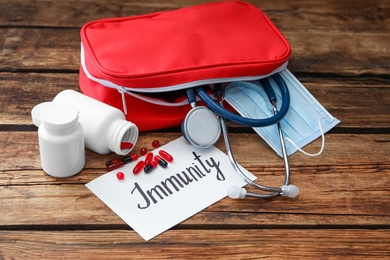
[(201, 127), (235, 192), (290, 190)]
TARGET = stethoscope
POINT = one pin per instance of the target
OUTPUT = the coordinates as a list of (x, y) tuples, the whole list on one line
[(202, 128)]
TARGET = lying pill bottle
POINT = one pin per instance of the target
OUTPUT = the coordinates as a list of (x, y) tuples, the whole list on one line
[(61, 141), (105, 127)]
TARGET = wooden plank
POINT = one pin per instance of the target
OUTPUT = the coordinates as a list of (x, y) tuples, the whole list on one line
[(357, 103), (20, 92), (339, 52), (345, 99), (349, 181), (358, 46), (199, 244), (39, 49), (313, 52), (340, 150), (347, 15), (328, 206)]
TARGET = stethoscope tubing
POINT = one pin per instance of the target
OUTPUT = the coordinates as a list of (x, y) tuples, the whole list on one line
[(273, 190), (223, 114), (219, 110)]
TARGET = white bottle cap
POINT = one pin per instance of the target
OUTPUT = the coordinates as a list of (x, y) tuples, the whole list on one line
[(59, 116), (36, 113)]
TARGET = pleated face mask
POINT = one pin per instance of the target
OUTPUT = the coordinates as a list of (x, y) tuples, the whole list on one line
[(305, 121)]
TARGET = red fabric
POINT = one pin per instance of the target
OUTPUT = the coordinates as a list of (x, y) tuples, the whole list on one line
[(145, 115), (217, 40)]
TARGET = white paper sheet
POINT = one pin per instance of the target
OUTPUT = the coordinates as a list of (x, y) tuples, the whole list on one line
[(154, 202)]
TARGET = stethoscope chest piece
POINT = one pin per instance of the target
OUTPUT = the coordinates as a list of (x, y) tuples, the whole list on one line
[(201, 127)]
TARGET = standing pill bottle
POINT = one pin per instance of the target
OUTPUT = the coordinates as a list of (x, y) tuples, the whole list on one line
[(61, 140), (105, 127)]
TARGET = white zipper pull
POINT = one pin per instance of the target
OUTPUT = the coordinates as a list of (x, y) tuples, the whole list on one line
[(122, 90)]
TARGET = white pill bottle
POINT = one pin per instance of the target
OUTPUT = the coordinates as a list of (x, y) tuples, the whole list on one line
[(61, 140), (105, 127)]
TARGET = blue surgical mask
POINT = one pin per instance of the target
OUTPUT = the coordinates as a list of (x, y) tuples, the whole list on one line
[(305, 121)]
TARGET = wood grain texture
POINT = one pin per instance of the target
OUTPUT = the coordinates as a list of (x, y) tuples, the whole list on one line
[(340, 53), (316, 52), (199, 244), (341, 183), (347, 15), (353, 101), (348, 37)]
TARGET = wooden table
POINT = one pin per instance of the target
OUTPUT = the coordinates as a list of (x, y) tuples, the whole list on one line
[(341, 54)]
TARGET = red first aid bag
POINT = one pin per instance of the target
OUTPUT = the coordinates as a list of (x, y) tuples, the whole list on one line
[(143, 64)]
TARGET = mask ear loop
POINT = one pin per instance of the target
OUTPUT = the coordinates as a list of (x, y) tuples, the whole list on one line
[(322, 142)]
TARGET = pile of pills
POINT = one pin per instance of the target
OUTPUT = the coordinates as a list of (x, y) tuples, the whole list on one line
[(151, 161)]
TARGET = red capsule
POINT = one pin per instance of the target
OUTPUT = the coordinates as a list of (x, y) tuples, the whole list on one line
[(161, 161), (166, 155), (131, 158), (126, 145), (120, 176), (115, 165), (156, 144), (111, 162), (150, 167), (149, 158), (143, 151), (138, 167)]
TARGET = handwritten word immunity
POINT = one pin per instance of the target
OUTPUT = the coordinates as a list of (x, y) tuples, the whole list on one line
[(178, 181)]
